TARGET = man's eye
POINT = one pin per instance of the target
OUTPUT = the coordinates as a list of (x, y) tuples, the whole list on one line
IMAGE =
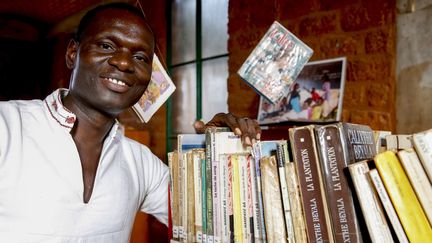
[(141, 58), (106, 46)]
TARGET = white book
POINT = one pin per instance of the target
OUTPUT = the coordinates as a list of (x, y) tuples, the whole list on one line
[(418, 178), (242, 163), (373, 213), (223, 183), (423, 145), (388, 205), (197, 156)]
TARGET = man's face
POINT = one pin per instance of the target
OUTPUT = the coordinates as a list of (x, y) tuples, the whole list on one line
[(112, 64)]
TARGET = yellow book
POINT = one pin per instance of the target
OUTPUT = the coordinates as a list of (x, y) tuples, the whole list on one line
[(403, 197), (238, 233)]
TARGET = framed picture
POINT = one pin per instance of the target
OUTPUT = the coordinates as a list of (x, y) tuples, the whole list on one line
[(315, 96)]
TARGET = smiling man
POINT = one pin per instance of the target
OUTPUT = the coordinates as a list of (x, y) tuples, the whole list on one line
[(67, 172)]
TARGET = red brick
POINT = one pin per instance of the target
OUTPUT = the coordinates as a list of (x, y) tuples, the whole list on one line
[(290, 9), (317, 25), (370, 68), (341, 45), (370, 14), (379, 96), (380, 41), (332, 4), (354, 95)]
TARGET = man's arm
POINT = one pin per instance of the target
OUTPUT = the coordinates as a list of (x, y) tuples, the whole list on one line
[(247, 128)]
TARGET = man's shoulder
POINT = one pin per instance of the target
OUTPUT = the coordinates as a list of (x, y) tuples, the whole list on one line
[(18, 106)]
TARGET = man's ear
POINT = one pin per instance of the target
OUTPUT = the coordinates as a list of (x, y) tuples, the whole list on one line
[(71, 53)]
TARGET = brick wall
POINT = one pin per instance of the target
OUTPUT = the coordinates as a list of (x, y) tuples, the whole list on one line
[(363, 31)]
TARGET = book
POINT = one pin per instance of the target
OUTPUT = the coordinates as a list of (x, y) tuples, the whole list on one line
[(236, 198), (305, 156), (370, 205), (275, 63), (388, 206), (174, 171), (190, 197), (198, 155), (405, 202), (296, 205), (360, 142), (380, 140), (282, 159), (272, 200), (158, 91), (331, 147), (418, 178), (396, 142), (422, 142)]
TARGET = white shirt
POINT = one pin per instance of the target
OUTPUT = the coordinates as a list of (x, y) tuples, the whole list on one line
[(41, 183)]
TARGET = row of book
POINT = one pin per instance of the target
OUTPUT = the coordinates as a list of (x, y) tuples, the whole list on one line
[(337, 182)]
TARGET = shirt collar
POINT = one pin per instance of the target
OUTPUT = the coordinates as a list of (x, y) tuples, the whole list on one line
[(67, 118)]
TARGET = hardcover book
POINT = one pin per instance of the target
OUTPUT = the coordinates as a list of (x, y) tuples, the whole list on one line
[(275, 63), (402, 195), (330, 143), (312, 192), (158, 91)]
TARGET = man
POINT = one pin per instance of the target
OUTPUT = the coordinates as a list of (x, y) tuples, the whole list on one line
[(67, 173)]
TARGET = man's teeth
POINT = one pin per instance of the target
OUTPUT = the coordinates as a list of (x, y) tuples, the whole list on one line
[(116, 81)]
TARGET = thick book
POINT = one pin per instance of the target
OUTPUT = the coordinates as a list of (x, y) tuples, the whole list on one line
[(174, 171), (371, 208), (272, 200), (331, 146), (422, 142), (158, 91), (312, 190), (296, 205), (198, 155), (402, 195), (418, 178), (275, 63), (360, 142), (388, 205)]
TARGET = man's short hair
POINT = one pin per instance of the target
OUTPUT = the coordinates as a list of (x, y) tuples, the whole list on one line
[(88, 18)]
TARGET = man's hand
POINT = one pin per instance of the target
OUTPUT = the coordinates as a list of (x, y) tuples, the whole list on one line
[(248, 129)]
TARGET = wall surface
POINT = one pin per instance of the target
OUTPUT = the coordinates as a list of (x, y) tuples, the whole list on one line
[(363, 31), (414, 66)]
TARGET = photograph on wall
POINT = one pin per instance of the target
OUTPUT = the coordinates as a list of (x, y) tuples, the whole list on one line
[(315, 96)]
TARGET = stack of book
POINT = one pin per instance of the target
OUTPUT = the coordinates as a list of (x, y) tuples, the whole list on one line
[(339, 182)]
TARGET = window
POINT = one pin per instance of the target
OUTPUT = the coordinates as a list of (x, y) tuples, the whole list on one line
[(198, 62)]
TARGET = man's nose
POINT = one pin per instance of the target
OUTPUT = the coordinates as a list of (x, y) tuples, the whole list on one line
[(123, 60)]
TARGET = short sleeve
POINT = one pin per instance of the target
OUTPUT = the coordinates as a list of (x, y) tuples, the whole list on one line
[(157, 182)]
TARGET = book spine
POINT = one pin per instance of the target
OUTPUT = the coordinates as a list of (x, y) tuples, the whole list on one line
[(250, 218), (243, 196), (255, 203), (204, 198), (197, 157), (388, 206), (305, 158), (216, 201), (418, 179), (230, 198), (190, 198), (238, 233), (296, 205), (260, 211), (360, 142), (273, 208), (376, 223), (338, 193), (182, 197), (281, 161), (173, 157), (209, 195), (404, 200), (422, 144), (223, 162)]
